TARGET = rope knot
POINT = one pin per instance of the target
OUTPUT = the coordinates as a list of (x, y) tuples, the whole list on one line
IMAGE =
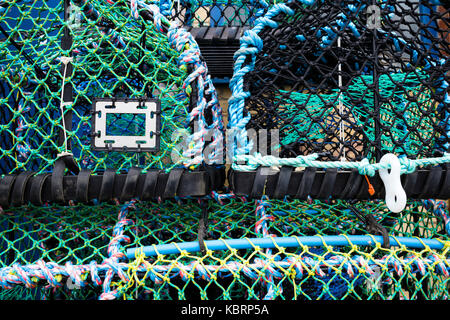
[(407, 165), (365, 168), (252, 39)]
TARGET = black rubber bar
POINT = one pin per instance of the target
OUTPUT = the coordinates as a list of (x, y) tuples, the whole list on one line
[(425, 183), (26, 187)]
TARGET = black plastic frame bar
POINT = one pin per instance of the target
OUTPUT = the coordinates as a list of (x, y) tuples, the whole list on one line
[(333, 184), (26, 187), (218, 45)]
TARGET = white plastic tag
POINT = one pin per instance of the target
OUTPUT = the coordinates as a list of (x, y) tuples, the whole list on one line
[(395, 194), (126, 125)]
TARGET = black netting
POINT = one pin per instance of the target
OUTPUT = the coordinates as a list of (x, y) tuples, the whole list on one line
[(217, 13), (353, 79)]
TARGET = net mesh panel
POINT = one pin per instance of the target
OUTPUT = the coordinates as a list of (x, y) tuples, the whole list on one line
[(216, 13), (115, 55), (336, 80), (73, 236)]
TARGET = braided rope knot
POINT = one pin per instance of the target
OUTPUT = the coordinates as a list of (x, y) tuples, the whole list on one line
[(418, 262), (239, 96), (22, 274), (397, 265), (297, 266), (93, 269), (47, 273), (407, 165), (184, 274), (365, 168), (439, 264), (269, 266), (108, 295), (4, 280), (246, 269), (314, 265), (23, 150), (258, 159), (365, 265), (74, 273), (165, 7), (261, 224), (116, 267), (251, 38), (200, 268)]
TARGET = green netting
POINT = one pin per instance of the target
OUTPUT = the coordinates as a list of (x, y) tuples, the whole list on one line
[(411, 141), (73, 237), (115, 54)]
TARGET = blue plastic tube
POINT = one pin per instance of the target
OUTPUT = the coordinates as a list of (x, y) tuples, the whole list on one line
[(286, 242)]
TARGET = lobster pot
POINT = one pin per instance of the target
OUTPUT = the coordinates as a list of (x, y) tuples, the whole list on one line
[(344, 80), (107, 85), (267, 250)]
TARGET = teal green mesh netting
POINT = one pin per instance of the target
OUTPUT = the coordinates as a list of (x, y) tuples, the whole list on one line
[(114, 54), (303, 125)]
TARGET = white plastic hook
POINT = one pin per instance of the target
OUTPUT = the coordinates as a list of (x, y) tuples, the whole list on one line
[(395, 194)]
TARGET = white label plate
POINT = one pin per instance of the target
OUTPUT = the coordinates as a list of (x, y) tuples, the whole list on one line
[(145, 109)]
